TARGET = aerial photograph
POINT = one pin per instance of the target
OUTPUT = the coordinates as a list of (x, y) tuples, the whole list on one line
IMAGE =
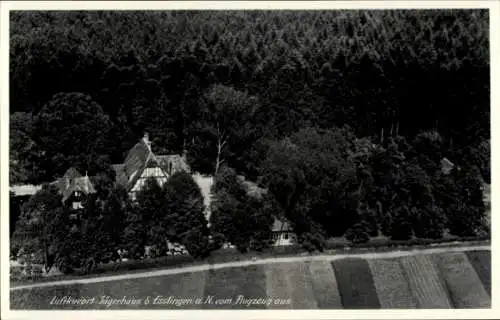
[(249, 159)]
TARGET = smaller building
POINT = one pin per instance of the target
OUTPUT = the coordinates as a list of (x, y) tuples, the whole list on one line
[(73, 187), (282, 232)]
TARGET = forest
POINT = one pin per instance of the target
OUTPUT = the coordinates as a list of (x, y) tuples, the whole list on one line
[(343, 116)]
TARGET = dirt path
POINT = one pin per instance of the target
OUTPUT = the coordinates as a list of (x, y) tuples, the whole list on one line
[(147, 274)]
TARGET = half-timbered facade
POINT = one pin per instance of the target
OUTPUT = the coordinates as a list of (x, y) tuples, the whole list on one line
[(141, 164)]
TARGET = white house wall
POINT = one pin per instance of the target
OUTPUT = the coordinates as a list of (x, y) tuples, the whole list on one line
[(156, 173)]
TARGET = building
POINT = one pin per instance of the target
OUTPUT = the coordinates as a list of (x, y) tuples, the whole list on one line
[(141, 164), (282, 232), (73, 186)]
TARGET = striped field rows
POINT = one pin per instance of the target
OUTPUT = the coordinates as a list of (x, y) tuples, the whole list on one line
[(440, 280)]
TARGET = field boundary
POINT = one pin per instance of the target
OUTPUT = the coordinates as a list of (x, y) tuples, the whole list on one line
[(206, 267)]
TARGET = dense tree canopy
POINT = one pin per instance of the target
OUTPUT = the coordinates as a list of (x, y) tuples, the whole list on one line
[(239, 217), (344, 116), (400, 71)]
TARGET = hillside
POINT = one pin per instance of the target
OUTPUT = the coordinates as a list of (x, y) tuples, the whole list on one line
[(392, 71), (438, 280)]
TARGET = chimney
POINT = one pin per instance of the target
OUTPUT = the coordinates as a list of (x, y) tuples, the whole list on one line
[(146, 140)]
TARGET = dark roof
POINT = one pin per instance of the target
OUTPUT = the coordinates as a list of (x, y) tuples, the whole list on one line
[(81, 184), (72, 173), (64, 183), (136, 158)]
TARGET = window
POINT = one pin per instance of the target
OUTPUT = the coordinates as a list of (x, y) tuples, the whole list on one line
[(77, 205), (285, 235)]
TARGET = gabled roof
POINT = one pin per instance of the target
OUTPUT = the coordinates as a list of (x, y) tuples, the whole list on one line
[(281, 225), (136, 158), (64, 182), (150, 162), (176, 162), (81, 184), (72, 173)]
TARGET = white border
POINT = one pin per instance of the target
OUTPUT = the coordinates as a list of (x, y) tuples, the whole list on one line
[(6, 6)]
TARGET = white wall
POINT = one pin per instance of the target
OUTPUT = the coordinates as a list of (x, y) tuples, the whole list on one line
[(283, 238), (156, 173)]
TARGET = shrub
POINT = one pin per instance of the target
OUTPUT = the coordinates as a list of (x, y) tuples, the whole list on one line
[(16, 273), (358, 233), (401, 228)]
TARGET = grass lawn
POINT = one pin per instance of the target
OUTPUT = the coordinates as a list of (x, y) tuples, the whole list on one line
[(355, 284), (183, 287), (392, 285), (302, 293), (481, 261), (227, 284), (425, 282), (277, 284), (464, 286), (325, 285)]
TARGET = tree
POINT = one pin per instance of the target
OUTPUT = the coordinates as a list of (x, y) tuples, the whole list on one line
[(428, 149), (94, 240), (151, 206), (358, 233), (185, 214), (227, 115), (72, 130), (42, 227), (231, 95), (134, 238), (239, 217), (467, 213), (24, 153), (401, 226), (312, 179), (429, 221), (113, 220)]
